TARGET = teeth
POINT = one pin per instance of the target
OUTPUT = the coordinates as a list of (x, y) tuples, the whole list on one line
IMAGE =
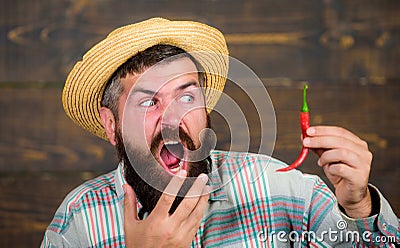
[(175, 170), (172, 142)]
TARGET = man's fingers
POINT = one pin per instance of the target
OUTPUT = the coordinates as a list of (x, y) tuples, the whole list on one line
[(339, 156), (167, 198), (342, 171), (195, 217), (130, 204), (191, 199), (335, 131), (333, 142)]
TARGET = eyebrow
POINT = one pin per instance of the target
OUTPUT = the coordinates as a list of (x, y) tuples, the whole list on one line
[(151, 92), (187, 85)]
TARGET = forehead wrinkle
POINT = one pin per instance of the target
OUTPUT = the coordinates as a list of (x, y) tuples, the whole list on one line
[(138, 89), (143, 90)]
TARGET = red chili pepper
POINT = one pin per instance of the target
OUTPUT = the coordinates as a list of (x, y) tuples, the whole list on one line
[(304, 124)]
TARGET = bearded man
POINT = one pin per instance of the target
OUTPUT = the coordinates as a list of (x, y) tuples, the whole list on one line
[(148, 89)]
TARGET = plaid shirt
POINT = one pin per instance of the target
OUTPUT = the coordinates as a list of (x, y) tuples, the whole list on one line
[(253, 206)]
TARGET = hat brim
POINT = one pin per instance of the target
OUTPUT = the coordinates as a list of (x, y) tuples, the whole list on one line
[(86, 82)]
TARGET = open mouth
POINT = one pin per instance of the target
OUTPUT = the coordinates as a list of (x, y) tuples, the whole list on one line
[(172, 156)]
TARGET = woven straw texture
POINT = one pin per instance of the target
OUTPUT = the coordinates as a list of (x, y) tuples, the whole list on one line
[(85, 83)]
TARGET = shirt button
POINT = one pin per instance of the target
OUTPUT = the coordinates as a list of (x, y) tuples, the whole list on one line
[(384, 226)]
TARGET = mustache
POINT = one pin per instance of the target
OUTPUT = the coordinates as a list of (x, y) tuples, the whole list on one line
[(194, 154), (176, 134)]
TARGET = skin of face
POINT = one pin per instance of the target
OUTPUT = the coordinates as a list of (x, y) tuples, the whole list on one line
[(165, 95)]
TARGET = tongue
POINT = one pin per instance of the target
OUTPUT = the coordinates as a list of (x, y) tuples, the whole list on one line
[(169, 159)]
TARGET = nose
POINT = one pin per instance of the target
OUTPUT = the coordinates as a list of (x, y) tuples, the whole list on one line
[(172, 116)]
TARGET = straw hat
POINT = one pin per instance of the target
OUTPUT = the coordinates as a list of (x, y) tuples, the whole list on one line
[(86, 82)]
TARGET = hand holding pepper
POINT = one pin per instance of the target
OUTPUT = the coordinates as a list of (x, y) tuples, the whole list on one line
[(346, 161)]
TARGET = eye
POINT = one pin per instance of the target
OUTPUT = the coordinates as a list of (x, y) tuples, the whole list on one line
[(148, 103), (187, 98)]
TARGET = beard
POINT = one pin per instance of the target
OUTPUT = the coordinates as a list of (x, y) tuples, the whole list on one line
[(144, 173)]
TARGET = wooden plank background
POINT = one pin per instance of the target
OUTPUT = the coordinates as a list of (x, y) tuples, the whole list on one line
[(347, 50)]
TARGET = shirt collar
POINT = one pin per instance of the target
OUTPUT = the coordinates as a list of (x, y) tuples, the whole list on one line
[(218, 192), (120, 180)]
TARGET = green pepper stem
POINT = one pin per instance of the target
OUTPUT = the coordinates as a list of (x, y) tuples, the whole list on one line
[(305, 106)]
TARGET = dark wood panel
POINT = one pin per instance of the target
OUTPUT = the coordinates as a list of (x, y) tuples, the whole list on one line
[(319, 40), (37, 135)]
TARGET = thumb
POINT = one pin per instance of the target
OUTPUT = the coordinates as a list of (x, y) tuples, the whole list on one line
[(130, 204)]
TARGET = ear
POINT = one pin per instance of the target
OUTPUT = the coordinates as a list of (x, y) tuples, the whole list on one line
[(108, 121)]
